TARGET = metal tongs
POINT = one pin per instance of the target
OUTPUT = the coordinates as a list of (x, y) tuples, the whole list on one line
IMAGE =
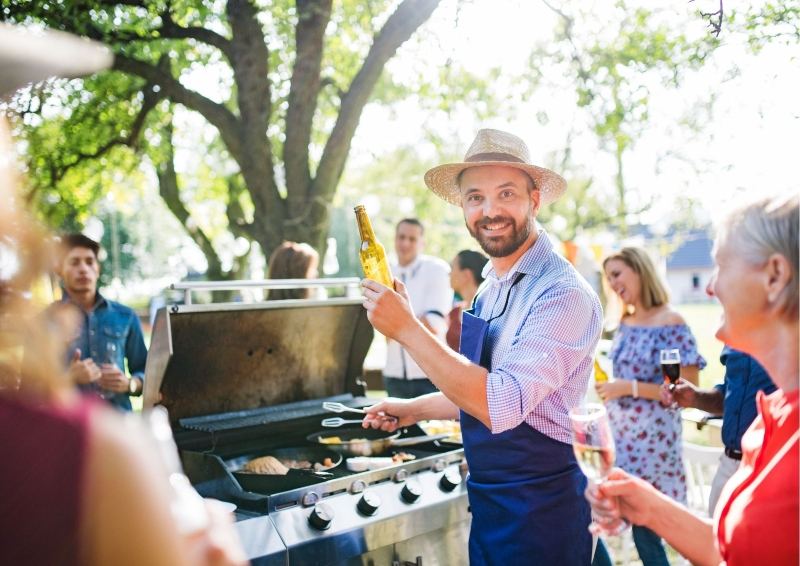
[(338, 421), (335, 407)]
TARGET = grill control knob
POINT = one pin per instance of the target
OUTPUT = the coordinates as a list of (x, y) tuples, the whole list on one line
[(321, 517), (368, 503), (400, 476), (450, 480), (411, 492)]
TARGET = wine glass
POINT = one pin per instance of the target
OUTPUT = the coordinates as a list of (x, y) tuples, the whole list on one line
[(671, 366), (110, 358), (594, 449)]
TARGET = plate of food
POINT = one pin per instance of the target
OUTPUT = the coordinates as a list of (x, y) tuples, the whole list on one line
[(449, 427)]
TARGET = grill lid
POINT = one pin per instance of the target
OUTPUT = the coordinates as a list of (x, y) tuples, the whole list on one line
[(222, 358)]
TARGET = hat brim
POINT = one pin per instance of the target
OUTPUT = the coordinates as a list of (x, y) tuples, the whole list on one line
[(29, 55), (443, 180)]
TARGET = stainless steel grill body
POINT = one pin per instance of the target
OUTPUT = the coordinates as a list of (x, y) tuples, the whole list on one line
[(240, 380)]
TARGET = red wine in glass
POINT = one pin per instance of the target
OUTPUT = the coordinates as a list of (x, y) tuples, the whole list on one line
[(671, 366)]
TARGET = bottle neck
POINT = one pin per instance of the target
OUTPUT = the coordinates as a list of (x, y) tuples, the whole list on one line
[(364, 226)]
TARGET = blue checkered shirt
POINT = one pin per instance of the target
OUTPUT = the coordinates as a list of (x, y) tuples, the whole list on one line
[(542, 347)]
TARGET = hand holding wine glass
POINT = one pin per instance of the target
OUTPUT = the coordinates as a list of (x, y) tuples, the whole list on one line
[(594, 449), (112, 380), (671, 366)]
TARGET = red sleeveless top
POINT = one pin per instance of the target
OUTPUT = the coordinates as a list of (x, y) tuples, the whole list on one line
[(43, 451), (757, 515)]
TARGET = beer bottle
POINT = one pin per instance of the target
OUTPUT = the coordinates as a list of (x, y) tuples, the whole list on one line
[(372, 252), (600, 375)]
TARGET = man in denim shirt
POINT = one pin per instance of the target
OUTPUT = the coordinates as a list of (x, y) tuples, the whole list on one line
[(735, 400), (109, 332)]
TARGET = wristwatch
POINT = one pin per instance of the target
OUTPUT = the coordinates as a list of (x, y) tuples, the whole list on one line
[(133, 388)]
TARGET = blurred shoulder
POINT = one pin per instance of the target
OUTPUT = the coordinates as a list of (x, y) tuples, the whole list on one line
[(115, 437), (668, 316)]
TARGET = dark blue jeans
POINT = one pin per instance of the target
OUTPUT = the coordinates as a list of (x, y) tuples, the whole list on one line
[(408, 388), (648, 545)]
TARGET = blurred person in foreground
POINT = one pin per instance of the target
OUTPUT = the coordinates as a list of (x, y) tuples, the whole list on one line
[(526, 354), (291, 260), (466, 275), (109, 333), (426, 279), (647, 434), (77, 484), (756, 520), (734, 399)]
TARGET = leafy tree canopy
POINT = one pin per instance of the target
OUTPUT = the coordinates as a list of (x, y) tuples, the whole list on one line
[(273, 89)]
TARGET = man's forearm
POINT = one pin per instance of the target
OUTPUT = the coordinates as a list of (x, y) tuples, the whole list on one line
[(461, 381), (434, 406), (709, 400)]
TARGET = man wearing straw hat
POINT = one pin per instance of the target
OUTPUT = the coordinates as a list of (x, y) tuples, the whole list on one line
[(525, 356)]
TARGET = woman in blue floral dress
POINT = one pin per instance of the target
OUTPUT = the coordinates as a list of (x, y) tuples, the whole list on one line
[(647, 434)]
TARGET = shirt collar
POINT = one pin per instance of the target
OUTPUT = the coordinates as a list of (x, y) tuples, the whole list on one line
[(411, 266), (530, 263), (99, 300)]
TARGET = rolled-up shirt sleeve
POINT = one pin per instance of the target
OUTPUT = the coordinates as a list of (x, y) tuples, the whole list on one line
[(558, 334)]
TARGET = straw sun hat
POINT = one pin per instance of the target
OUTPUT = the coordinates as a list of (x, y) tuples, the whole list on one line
[(29, 55), (494, 147)]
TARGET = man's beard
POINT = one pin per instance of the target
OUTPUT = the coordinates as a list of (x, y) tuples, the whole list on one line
[(503, 246)]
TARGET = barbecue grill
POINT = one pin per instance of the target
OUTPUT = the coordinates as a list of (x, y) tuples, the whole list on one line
[(244, 380)]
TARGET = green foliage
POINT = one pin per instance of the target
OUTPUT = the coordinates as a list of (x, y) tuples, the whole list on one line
[(615, 66), (618, 69), (177, 60), (771, 22)]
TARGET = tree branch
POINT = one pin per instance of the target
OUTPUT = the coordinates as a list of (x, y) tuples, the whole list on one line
[(151, 99), (715, 25), (170, 192), (569, 23), (237, 222), (312, 19), (219, 116), (169, 29), (410, 14)]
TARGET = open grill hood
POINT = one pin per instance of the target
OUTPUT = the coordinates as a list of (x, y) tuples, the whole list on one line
[(216, 359)]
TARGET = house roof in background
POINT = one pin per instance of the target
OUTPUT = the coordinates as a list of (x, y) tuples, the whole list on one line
[(694, 252)]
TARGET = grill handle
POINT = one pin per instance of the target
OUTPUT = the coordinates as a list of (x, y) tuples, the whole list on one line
[(411, 441), (351, 284)]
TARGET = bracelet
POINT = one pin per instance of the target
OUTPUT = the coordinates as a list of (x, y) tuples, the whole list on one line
[(635, 389)]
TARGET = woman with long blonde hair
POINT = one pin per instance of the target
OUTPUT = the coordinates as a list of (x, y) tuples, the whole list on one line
[(647, 435)]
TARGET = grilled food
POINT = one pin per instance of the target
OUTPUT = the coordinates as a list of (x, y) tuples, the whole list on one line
[(266, 465)]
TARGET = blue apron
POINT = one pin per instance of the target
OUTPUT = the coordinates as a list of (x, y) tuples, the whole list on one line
[(525, 488)]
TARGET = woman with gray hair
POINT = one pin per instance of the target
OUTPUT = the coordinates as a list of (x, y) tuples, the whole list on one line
[(756, 521)]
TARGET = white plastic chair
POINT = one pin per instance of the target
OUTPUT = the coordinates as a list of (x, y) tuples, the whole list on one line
[(701, 464)]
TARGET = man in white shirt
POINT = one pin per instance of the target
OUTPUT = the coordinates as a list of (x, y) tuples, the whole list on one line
[(428, 282)]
